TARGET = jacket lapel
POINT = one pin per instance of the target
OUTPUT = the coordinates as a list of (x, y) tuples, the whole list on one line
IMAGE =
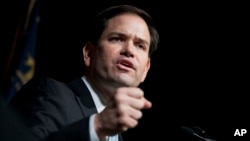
[(83, 97)]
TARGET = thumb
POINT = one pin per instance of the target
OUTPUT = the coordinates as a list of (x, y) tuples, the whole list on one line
[(147, 104)]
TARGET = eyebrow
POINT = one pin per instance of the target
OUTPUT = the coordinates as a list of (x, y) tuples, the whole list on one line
[(124, 35)]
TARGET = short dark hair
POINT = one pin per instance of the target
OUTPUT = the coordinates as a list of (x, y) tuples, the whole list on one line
[(99, 23)]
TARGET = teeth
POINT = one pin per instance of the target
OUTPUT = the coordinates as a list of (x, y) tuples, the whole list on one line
[(125, 64)]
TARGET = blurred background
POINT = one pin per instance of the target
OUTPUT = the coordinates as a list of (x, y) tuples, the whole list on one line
[(199, 75)]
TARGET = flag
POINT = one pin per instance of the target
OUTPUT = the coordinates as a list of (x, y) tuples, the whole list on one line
[(26, 66)]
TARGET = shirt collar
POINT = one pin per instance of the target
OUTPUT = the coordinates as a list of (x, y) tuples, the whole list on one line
[(98, 103)]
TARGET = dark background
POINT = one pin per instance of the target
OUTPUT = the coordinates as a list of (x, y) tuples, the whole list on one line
[(199, 75)]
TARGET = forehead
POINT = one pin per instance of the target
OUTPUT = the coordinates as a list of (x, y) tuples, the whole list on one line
[(130, 24)]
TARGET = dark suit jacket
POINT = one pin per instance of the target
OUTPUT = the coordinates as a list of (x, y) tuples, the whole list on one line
[(56, 111), (11, 128)]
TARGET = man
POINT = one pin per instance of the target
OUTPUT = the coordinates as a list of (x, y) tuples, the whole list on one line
[(106, 101)]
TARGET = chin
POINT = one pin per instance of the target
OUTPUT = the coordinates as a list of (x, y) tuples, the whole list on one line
[(128, 82)]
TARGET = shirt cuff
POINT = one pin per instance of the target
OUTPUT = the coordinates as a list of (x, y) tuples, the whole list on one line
[(92, 132)]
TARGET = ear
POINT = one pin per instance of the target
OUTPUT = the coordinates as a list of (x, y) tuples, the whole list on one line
[(87, 51), (146, 70)]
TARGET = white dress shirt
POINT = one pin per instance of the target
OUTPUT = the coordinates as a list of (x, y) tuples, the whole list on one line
[(99, 106)]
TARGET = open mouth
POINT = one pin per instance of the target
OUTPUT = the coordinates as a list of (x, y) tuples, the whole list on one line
[(125, 64)]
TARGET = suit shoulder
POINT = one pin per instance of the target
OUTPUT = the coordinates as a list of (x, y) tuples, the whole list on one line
[(42, 81), (39, 86)]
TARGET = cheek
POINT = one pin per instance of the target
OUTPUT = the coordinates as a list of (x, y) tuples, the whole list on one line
[(109, 54), (104, 58), (105, 50), (143, 63), (103, 55)]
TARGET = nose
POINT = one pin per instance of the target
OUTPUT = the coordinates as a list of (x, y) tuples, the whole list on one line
[(128, 49)]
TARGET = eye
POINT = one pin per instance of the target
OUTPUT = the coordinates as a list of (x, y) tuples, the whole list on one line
[(116, 39), (141, 46)]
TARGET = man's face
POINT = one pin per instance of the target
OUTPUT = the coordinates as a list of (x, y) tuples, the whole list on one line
[(121, 56)]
